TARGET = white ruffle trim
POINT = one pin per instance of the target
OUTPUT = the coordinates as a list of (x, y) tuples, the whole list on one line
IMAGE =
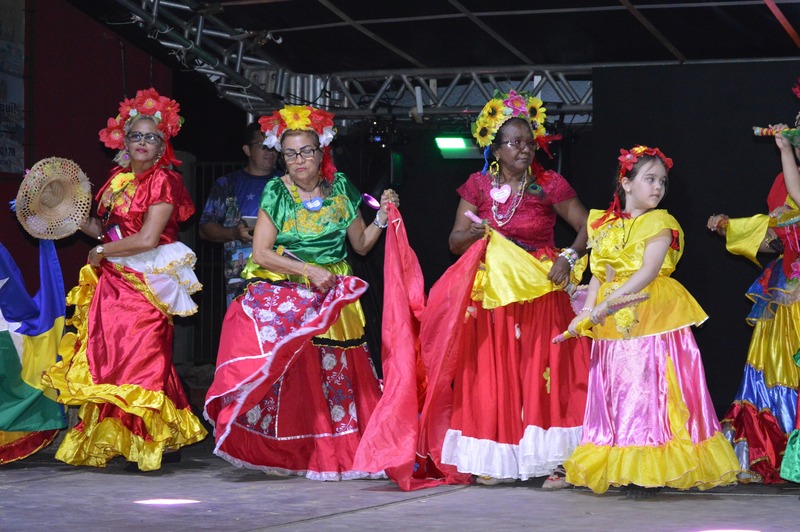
[(542, 450), (538, 453), (169, 272), (329, 476)]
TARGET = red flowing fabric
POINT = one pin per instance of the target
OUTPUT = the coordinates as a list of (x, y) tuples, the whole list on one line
[(26, 445), (389, 442), (766, 442), (119, 356), (116, 347), (399, 440), (777, 198), (441, 341), (247, 367)]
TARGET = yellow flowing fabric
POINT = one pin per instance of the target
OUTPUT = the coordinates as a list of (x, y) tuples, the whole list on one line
[(513, 275), (744, 235)]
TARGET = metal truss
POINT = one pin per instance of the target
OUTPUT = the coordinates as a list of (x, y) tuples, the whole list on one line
[(420, 93), (233, 61)]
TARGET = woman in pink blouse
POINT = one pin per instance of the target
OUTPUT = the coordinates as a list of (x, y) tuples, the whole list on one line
[(517, 400)]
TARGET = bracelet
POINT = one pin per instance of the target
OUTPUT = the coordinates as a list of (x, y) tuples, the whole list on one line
[(585, 309), (304, 270), (377, 224), (569, 258)]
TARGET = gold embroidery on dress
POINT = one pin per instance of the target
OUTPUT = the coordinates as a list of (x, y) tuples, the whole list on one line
[(310, 222), (624, 319)]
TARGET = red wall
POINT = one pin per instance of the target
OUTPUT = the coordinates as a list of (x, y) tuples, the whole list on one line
[(74, 83)]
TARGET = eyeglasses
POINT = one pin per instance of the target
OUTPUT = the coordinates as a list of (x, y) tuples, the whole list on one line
[(306, 153), (150, 138), (518, 144)]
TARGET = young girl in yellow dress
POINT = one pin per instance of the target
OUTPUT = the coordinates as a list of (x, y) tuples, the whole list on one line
[(649, 419)]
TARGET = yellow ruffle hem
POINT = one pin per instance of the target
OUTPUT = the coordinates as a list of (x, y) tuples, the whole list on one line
[(772, 345), (680, 463), (168, 428)]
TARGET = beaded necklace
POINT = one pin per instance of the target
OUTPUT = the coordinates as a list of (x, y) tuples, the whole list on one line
[(312, 204), (502, 219)]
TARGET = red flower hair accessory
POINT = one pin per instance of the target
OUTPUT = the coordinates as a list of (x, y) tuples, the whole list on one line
[(628, 159), (297, 118), (148, 102)]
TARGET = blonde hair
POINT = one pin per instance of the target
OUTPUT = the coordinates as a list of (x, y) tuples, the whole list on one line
[(122, 158)]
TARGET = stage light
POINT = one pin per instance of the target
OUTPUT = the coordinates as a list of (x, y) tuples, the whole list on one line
[(166, 502), (453, 147), (452, 143)]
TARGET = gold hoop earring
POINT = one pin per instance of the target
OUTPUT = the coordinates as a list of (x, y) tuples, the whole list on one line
[(494, 168)]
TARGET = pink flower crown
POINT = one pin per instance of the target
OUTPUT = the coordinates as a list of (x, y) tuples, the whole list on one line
[(148, 102), (628, 159), (297, 118)]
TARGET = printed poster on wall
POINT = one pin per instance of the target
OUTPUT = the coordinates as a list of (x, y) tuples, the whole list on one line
[(12, 88)]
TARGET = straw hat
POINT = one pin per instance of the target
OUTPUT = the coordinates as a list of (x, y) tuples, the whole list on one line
[(54, 199)]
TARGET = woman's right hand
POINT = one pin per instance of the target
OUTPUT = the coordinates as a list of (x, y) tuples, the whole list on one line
[(781, 142), (573, 325), (718, 223), (477, 230), (320, 277)]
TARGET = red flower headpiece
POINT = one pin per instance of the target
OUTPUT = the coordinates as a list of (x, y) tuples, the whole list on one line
[(297, 118), (146, 103), (628, 159), (302, 118)]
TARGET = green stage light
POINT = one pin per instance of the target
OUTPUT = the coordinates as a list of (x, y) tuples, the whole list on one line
[(453, 147), (452, 143)]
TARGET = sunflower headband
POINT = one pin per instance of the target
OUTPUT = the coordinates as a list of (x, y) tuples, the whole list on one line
[(162, 110), (297, 118), (503, 107), (627, 159)]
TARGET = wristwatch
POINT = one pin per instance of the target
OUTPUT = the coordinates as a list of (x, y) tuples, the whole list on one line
[(99, 250)]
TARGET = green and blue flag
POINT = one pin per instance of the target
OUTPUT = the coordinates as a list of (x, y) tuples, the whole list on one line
[(30, 331)]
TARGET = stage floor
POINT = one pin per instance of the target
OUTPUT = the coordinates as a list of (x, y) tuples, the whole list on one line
[(40, 493)]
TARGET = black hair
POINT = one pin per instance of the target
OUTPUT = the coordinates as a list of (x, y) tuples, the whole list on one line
[(250, 132), (497, 141)]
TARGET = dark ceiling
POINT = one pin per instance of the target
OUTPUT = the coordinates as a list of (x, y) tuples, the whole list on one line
[(360, 35), (366, 57)]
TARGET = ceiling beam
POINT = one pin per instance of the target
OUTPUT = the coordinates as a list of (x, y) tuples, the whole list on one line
[(653, 31), (359, 27), (489, 31), (778, 14)]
